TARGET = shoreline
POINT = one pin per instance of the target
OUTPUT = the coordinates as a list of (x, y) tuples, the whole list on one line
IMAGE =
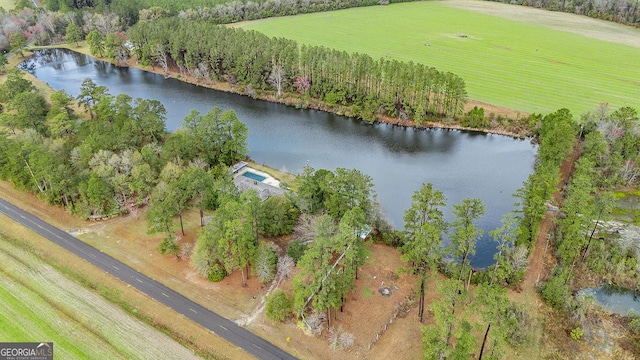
[(311, 103)]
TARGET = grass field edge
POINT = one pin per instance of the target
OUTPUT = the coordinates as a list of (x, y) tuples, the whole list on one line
[(112, 295)]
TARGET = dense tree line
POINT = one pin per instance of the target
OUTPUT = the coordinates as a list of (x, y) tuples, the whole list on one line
[(620, 11), (366, 87), (234, 11), (609, 161), (556, 133), (50, 27), (219, 11), (370, 87), (114, 161)]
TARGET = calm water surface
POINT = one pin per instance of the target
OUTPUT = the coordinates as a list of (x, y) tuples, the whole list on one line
[(460, 164), (615, 300)]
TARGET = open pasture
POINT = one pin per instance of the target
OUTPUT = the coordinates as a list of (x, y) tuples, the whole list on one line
[(514, 64)]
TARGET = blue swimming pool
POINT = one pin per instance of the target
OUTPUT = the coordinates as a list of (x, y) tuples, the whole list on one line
[(253, 176)]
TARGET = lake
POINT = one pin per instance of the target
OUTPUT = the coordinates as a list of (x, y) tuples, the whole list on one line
[(461, 164)]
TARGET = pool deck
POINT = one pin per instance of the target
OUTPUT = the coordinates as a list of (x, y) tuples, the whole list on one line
[(265, 188)]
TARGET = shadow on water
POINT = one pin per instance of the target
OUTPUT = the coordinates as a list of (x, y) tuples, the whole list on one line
[(460, 164)]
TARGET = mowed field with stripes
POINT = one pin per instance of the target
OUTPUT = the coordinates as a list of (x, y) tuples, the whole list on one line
[(40, 304), (504, 62)]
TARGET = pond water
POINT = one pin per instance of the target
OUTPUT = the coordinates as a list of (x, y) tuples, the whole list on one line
[(461, 164), (615, 300)]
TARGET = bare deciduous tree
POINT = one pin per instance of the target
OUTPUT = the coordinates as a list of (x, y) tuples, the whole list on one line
[(629, 172), (303, 84), (314, 322), (204, 71), (305, 230), (161, 58), (185, 250), (277, 78), (285, 265), (340, 339)]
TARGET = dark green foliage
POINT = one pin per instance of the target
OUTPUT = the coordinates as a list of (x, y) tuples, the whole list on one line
[(168, 246), (177, 146), (508, 321), (99, 195), (475, 119), (30, 110), (296, 249), (21, 4), (556, 292), (389, 237), (115, 48), (103, 166), (346, 190), (3, 62), (557, 134), (330, 264), (372, 87), (438, 338), (277, 215), (465, 233), (18, 42), (278, 306), (423, 235), (95, 40), (218, 136), (312, 189), (228, 239), (337, 192), (14, 85), (216, 272), (90, 94), (73, 34)]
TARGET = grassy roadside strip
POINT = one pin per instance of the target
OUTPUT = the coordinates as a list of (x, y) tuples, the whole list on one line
[(134, 303)]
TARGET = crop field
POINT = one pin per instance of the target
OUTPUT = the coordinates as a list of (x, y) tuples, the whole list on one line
[(39, 304), (514, 64)]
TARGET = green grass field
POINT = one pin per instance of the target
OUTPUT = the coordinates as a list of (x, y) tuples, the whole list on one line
[(504, 62), (7, 4), (28, 316), (39, 304)]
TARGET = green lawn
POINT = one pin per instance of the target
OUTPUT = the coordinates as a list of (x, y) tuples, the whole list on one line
[(504, 62), (7, 4)]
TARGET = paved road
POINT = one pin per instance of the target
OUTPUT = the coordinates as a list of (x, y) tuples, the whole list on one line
[(223, 327)]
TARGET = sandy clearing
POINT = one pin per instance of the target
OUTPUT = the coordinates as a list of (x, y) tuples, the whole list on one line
[(577, 24)]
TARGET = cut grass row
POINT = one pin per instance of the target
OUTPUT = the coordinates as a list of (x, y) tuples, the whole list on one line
[(43, 305), (504, 62), (27, 316), (125, 335)]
